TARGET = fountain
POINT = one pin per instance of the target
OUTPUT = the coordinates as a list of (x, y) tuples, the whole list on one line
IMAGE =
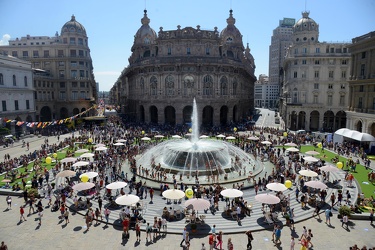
[(200, 159)]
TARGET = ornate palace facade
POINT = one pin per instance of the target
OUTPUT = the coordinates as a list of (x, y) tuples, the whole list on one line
[(167, 70)]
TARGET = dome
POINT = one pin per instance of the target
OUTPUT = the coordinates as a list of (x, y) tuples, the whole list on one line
[(145, 34), (231, 34), (73, 26), (306, 29)]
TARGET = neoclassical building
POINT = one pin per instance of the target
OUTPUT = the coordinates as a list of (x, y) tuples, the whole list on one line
[(16, 93), (168, 69), (315, 93), (63, 81), (361, 113)]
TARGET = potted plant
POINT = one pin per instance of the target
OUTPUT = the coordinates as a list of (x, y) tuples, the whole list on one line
[(344, 210)]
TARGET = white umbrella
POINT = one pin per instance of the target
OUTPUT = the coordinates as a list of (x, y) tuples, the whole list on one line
[(231, 193), (220, 136), (230, 138), (275, 186), (267, 198), (292, 149), (173, 194), (83, 150), (308, 173), (101, 149), (329, 168), (266, 142), (198, 203), (127, 199), (99, 145), (118, 144), (159, 136), (311, 152), (89, 174), (253, 138), (87, 155), (66, 173), (145, 139), (291, 144), (116, 185), (69, 159), (310, 159), (176, 137), (203, 136), (81, 163), (316, 184), (188, 134), (83, 186), (121, 140)]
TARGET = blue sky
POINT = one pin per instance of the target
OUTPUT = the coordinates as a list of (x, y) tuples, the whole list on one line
[(112, 24)]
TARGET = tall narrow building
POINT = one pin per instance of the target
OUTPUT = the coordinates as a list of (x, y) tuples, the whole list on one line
[(280, 41), (63, 72)]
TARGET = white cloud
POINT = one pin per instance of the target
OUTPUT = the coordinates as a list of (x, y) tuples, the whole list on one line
[(4, 40)]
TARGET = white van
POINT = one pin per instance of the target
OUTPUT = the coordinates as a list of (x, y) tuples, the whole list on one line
[(301, 132)]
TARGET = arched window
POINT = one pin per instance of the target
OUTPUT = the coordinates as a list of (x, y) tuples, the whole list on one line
[(142, 85), (14, 80), (153, 86), (169, 85), (224, 86), (235, 84), (25, 81), (207, 85)]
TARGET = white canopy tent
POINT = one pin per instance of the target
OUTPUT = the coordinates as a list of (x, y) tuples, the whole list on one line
[(352, 134)]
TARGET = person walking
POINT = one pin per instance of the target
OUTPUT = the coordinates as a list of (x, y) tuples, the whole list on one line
[(344, 221), (183, 236), (317, 210), (309, 237), (3, 246), (151, 191), (211, 241), (230, 244), (138, 230), (187, 241), (40, 216), (149, 229), (371, 216), (106, 214), (66, 216), (100, 203), (250, 238), (22, 212), (333, 199), (292, 243), (328, 214), (219, 239), (278, 235), (9, 202)]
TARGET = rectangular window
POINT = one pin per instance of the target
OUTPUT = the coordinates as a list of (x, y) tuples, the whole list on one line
[(295, 74), (82, 84), (303, 61), (53, 95), (14, 53), (4, 105), (296, 51), (329, 100), (46, 53), (62, 85), (304, 50), (27, 104), (73, 64), (82, 95), (316, 74), (62, 95), (65, 40), (169, 51), (188, 51), (316, 85), (317, 62), (343, 74), (360, 102), (363, 54), (295, 62), (330, 86), (343, 62), (25, 54), (361, 88), (332, 50), (81, 73), (74, 95), (315, 99), (345, 50), (60, 53), (74, 84), (342, 100), (317, 50), (72, 40), (16, 107), (73, 73), (362, 73), (207, 51), (80, 53), (73, 52), (61, 73), (330, 74)]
